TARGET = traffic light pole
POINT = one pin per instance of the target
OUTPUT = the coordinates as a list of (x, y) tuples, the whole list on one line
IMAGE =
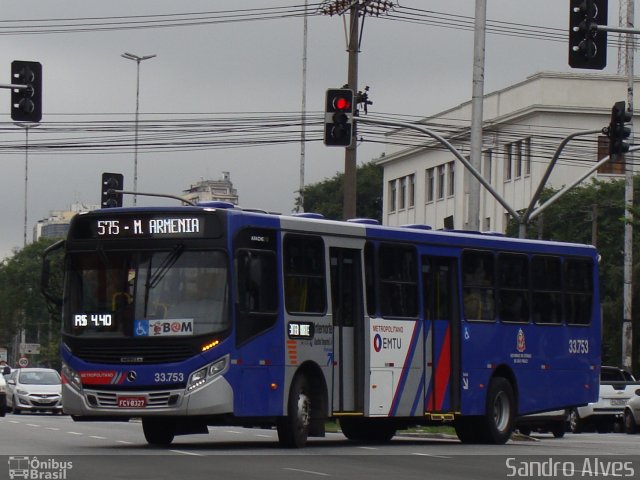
[(350, 153), (627, 330)]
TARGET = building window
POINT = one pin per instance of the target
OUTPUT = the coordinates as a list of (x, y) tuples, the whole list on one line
[(392, 196), (440, 182), (402, 201), (487, 164), (527, 156), (451, 189), (430, 186), (517, 153), (508, 161), (412, 190)]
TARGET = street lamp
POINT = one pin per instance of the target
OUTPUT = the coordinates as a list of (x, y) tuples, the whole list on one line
[(137, 59), (26, 127)]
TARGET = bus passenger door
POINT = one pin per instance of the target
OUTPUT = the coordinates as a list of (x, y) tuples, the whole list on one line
[(442, 334), (348, 329)]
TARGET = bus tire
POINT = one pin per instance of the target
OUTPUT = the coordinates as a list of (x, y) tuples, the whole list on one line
[(159, 431), (499, 418), (293, 429)]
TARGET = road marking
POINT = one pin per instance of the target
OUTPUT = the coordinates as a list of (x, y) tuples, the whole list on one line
[(233, 431), (263, 435), (310, 472), (368, 448), (97, 437), (186, 453), (53, 428), (32, 425), (126, 442), (430, 455), (75, 433)]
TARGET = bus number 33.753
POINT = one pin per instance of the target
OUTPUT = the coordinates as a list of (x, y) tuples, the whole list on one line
[(164, 377), (577, 345)]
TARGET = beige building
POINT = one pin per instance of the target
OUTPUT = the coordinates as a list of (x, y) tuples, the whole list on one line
[(210, 190), (523, 126)]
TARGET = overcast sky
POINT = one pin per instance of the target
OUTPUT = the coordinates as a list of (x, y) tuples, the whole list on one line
[(200, 71)]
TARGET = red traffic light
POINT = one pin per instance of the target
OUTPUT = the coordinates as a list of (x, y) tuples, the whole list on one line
[(342, 103)]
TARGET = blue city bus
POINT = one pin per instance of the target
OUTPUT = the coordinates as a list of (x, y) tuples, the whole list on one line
[(197, 316)]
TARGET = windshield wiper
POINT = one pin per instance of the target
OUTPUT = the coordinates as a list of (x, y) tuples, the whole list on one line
[(153, 279)]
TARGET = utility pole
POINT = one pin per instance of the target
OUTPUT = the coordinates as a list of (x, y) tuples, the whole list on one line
[(627, 330), (350, 153), (477, 98), (303, 110)]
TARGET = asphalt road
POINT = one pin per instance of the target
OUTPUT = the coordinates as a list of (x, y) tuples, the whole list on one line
[(45, 446)]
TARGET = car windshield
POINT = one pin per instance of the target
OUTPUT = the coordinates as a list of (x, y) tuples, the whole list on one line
[(146, 294), (39, 378)]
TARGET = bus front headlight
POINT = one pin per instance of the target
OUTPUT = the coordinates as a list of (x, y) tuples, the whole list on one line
[(207, 373)]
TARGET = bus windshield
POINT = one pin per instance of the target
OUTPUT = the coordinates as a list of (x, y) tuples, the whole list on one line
[(176, 292)]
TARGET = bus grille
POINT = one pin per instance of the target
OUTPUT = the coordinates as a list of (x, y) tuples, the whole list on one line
[(139, 354), (154, 399)]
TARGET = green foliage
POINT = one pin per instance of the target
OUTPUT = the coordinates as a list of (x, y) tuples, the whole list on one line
[(570, 219), (22, 304), (326, 197)]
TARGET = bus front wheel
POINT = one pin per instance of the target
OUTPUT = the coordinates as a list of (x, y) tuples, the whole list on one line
[(293, 429), (159, 431)]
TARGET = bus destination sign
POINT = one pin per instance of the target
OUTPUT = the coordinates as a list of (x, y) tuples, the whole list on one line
[(154, 227)]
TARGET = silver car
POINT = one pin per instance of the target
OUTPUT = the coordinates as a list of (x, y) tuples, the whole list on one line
[(34, 389), (632, 414)]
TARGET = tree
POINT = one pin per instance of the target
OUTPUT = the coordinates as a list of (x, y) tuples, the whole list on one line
[(23, 306), (326, 197), (571, 219)]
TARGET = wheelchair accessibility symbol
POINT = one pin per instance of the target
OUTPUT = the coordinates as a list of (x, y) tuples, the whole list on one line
[(141, 328)]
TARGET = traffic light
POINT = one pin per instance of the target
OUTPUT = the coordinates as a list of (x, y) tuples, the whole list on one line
[(338, 117), (109, 197), (26, 103), (618, 131), (587, 45)]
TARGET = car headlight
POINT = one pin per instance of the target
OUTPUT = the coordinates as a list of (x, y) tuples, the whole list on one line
[(207, 373), (20, 391)]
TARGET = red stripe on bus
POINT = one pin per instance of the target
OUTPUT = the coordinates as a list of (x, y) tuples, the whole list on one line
[(443, 370)]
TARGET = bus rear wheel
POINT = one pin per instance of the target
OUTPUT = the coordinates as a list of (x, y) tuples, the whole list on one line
[(293, 429), (159, 431), (500, 412)]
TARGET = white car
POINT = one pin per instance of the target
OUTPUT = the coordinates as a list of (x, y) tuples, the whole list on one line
[(34, 389), (616, 388), (3, 396), (632, 414)]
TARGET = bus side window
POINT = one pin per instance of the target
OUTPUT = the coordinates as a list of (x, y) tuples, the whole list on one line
[(256, 292), (398, 281), (546, 274), (578, 290), (478, 288), (304, 274), (513, 281)]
